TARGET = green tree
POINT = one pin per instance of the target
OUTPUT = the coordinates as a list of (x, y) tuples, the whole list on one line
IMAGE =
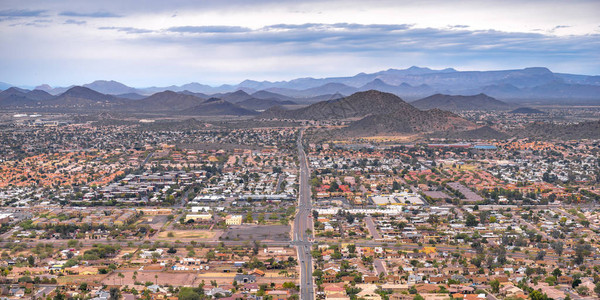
[(31, 260), (115, 294), (495, 284), (471, 220), (186, 293)]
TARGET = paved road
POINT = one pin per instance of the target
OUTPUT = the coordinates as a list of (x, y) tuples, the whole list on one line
[(302, 223), (372, 228), (279, 180), (147, 159), (379, 266), (43, 291)]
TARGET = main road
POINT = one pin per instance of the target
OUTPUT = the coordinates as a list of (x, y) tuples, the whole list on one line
[(302, 226)]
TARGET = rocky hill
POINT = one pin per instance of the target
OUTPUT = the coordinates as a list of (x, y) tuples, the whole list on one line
[(357, 105), (217, 107), (460, 103)]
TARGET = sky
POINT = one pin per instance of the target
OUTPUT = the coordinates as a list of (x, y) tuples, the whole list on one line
[(160, 43)]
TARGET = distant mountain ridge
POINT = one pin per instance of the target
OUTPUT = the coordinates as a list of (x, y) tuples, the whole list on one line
[(536, 83)]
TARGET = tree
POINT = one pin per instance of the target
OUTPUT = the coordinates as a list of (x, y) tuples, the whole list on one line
[(59, 296), (31, 260), (186, 293), (249, 218), (83, 286), (557, 272), (495, 284), (418, 297), (72, 243), (471, 220), (558, 247), (351, 248), (537, 295), (597, 288), (581, 251), (412, 290), (115, 294), (289, 285), (540, 255)]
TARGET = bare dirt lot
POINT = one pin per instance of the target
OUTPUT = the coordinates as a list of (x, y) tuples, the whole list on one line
[(176, 279), (188, 234), (258, 232)]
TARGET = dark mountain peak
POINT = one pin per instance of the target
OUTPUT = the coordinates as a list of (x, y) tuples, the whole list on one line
[(81, 92), (38, 95), (537, 70), (240, 93), (43, 87), (110, 87), (334, 84), (235, 97), (359, 104), (165, 101), (79, 95), (164, 93), (448, 70), (214, 106), (457, 102), (14, 91), (131, 96), (104, 82), (262, 94), (213, 99), (374, 97), (415, 68)]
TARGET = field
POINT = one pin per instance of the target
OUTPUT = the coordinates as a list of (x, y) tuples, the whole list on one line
[(80, 278)]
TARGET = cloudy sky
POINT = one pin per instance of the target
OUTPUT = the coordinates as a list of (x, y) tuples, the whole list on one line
[(158, 42)]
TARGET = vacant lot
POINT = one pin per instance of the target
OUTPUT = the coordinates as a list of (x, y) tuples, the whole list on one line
[(187, 234), (160, 277), (258, 232), (70, 279)]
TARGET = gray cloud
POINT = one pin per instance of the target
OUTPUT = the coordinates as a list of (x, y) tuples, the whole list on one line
[(382, 39), (98, 14), (459, 26), (128, 30), (75, 22), (22, 13), (208, 29)]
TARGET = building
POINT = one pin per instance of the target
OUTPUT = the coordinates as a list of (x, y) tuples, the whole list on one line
[(233, 220), (198, 217)]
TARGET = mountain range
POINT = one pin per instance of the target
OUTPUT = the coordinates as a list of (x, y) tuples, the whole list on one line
[(529, 84), (367, 113)]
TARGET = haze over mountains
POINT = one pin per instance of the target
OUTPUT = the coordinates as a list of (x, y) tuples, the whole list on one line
[(530, 84)]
